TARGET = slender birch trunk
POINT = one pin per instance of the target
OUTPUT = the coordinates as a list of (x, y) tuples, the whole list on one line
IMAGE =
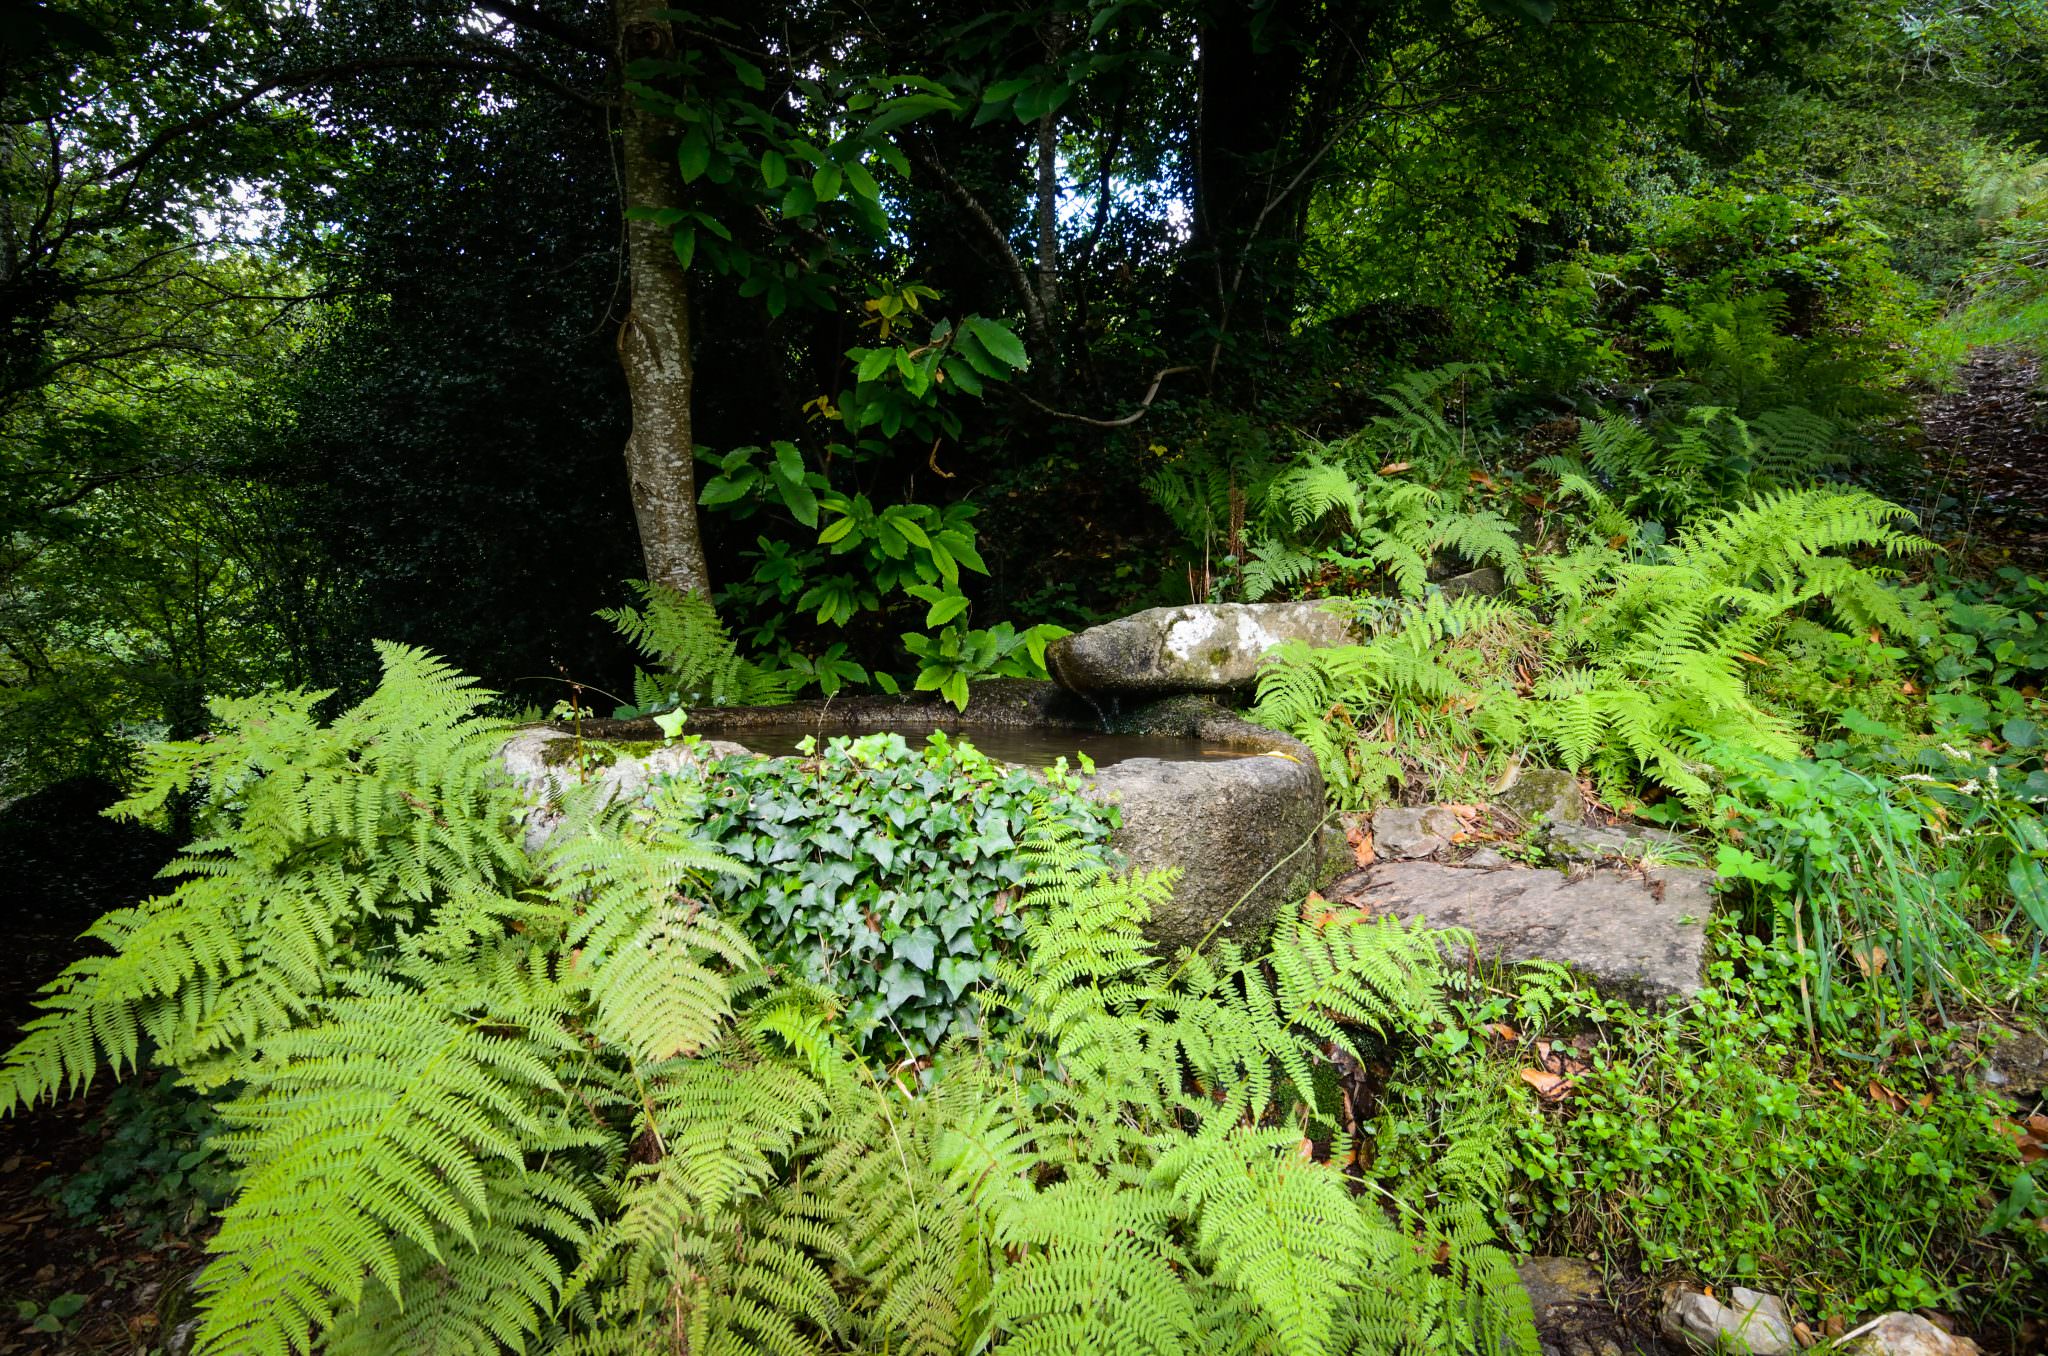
[(654, 342)]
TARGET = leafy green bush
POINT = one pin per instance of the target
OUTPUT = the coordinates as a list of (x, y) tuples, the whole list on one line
[(887, 873), (696, 662), (1767, 300), (1380, 506)]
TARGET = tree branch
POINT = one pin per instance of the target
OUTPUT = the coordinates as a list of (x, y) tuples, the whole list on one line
[(1133, 417), (1034, 314)]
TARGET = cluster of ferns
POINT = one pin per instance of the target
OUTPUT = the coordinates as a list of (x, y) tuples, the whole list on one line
[(481, 1101), (1621, 658)]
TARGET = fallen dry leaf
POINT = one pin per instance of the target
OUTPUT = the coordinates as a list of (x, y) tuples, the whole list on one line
[(1803, 1335), (1395, 467), (1884, 1096), (1869, 959), (1362, 850), (1504, 1031), (1549, 1086)]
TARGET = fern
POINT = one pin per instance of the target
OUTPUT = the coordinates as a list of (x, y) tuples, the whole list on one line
[(697, 663), (495, 1103)]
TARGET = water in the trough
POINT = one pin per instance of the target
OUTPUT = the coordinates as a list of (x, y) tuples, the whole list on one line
[(1026, 746)]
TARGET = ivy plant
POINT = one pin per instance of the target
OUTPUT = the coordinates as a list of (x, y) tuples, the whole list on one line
[(887, 872)]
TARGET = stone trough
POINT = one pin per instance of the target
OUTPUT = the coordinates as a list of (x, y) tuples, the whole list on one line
[(1237, 809), (1233, 806)]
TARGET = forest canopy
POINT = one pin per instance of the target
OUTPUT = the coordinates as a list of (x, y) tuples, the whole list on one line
[(315, 317)]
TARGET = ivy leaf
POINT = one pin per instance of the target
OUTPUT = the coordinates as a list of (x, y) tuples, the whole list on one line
[(916, 948)]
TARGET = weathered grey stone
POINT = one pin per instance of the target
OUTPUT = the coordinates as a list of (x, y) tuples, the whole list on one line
[(1557, 1282), (1240, 830), (1586, 842), (1485, 859), (1623, 932), (1903, 1334), (2013, 1063), (1413, 831), (543, 760), (1208, 647), (1707, 1325), (1485, 580), (1543, 795)]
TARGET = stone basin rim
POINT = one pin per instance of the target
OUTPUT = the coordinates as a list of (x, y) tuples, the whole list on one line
[(1003, 704)]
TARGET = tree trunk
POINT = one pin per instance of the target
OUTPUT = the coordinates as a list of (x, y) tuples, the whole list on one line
[(654, 342)]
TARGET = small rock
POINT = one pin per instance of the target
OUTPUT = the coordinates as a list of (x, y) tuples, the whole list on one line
[(1485, 859), (2014, 1063), (1553, 1281), (1486, 581), (1902, 1334), (1408, 832), (1545, 795), (1584, 842), (1753, 1323)]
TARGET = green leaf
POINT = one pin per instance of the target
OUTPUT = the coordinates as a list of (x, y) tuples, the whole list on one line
[(861, 182), (874, 362), (774, 169), (748, 73), (685, 244), (693, 156), (1000, 340), (945, 609), (835, 530), (799, 201), (825, 183), (962, 375)]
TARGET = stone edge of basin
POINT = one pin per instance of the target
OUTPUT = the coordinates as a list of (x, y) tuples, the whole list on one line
[(1239, 828)]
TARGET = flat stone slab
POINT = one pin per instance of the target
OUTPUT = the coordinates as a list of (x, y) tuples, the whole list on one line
[(1209, 647), (1628, 933)]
